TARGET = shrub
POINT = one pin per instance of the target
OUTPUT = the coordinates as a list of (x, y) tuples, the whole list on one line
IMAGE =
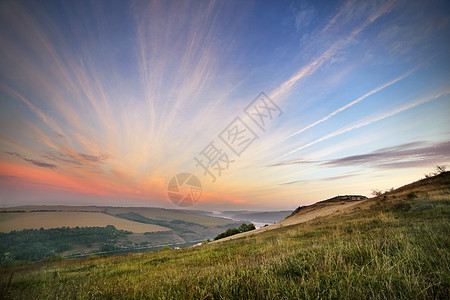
[(243, 228), (411, 196), (246, 227), (53, 258), (376, 192), (441, 169)]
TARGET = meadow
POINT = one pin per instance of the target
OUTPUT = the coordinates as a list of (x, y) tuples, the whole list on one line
[(394, 246)]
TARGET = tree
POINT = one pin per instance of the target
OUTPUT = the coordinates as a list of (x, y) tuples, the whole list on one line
[(377, 192), (441, 169), (243, 228), (246, 227)]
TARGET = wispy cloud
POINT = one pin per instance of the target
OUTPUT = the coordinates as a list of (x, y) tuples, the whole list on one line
[(76, 158), (404, 156), (286, 87), (368, 122), (293, 162), (327, 179), (50, 122), (400, 156), (33, 161), (352, 103)]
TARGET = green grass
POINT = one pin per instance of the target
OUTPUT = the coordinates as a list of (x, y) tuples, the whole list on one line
[(385, 252)]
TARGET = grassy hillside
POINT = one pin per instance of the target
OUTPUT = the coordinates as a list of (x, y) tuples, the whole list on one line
[(392, 246)]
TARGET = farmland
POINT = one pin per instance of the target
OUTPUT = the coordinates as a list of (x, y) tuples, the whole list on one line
[(148, 229), (36, 220)]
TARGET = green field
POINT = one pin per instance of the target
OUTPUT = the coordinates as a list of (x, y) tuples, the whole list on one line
[(395, 246)]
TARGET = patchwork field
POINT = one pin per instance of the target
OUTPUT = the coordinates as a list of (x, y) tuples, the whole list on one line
[(196, 217), (36, 220), (150, 227)]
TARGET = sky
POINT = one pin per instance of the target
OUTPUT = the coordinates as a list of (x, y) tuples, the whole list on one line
[(270, 104)]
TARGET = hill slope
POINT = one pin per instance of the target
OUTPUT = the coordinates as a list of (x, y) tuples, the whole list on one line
[(304, 214), (417, 194), (394, 246)]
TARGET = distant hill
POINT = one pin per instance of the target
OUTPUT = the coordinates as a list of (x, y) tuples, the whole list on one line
[(268, 217)]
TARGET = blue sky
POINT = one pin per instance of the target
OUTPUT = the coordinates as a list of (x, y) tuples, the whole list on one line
[(103, 102)]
